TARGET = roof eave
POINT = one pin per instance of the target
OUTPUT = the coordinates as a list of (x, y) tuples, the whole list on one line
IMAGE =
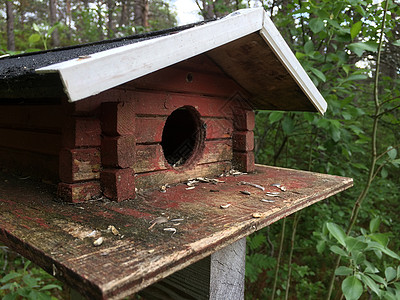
[(84, 77)]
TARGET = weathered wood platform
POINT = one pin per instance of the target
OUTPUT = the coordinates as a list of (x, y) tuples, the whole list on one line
[(59, 237)]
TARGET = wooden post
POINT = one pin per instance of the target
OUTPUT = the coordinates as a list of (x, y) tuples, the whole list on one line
[(219, 276), (227, 272)]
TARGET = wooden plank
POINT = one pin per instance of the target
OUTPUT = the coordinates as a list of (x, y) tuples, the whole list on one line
[(176, 79), (25, 164), (154, 180), (44, 117), (151, 157), (163, 104), (58, 237), (151, 129), (40, 142)]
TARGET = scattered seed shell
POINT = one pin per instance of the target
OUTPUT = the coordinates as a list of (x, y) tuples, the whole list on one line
[(214, 191), (257, 215), (158, 220), (190, 188), (267, 200), (246, 193), (177, 220), (113, 230), (98, 242), (224, 206), (283, 188), (276, 185), (170, 229), (253, 185), (92, 233)]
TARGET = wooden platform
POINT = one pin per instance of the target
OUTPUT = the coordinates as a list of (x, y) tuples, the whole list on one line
[(59, 237)]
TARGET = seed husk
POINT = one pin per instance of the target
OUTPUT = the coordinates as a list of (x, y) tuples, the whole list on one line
[(98, 242), (224, 206), (267, 200), (246, 193), (158, 220), (253, 185), (170, 229), (113, 230), (257, 215)]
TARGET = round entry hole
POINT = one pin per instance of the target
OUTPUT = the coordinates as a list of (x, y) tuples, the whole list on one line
[(182, 136)]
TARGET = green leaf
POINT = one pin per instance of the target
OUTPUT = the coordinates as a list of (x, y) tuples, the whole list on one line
[(30, 281), (398, 273), (379, 279), (352, 244), (380, 247), (338, 250), (319, 74), (51, 286), (352, 288), (300, 55), (381, 238), (275, 116), (372, 284), (11, 296), (337, 233), (390, 273), (396, 43), (392, 152), (10, 276), (34, 38), (359, 48), (355, 29), (316, 25), (374, 224), (342, 270), (35, 27), (308, 47), (370, 268), (288, 125), (321, 246)]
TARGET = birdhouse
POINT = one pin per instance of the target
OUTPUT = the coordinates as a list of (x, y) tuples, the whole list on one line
[(146, 111), (162, 124)]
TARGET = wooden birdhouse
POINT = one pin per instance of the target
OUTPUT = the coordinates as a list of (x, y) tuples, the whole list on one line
[(145, 111), (131, 119)]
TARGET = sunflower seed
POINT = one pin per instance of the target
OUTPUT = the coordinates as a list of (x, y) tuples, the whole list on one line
[(268, 201), (224, 206), (113, 230), (98, 242), (170, 229), (190, 188), (257, 215), (177, 220), (276, 185), (253, 185), (246, 193)]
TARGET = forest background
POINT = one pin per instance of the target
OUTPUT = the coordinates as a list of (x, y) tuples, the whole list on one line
[(338, 248)]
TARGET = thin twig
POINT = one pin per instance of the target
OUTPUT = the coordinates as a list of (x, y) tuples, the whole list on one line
[(278, 259)]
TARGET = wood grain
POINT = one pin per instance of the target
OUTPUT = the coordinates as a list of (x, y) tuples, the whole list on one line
[(57, 236)]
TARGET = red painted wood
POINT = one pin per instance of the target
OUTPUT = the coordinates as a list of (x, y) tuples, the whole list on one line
[(184, 80), (45, 117), (151, 157), (244, 119), (243, 141), (79, 192), (218, 128), (81, 132), (79, 164), (154, 180), (118, 151), (163, 104), (118, 184), (25, 164), (244, 161), (57, 236), (149, 129), (118, 118), (41, 142)]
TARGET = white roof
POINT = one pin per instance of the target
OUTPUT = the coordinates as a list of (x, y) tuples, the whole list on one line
[(104, 70)]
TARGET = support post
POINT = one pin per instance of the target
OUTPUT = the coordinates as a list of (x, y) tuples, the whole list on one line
[(219, 276)]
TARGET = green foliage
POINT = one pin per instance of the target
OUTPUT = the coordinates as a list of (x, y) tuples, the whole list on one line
[(364, 255), (27, 282)]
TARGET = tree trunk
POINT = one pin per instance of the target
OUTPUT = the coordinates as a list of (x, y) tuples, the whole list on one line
[(53, 20), (110, 24), (10, 26), (141, 13)]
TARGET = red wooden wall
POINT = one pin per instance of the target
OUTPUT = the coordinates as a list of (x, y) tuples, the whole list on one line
[(111, 143)]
